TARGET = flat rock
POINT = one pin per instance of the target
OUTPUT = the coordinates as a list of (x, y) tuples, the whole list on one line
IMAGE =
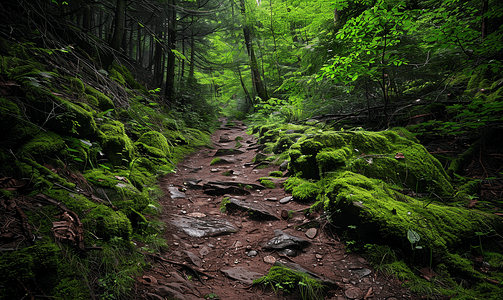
[(175, 193), (362, 272), (218, 189), (286, 199), (253, 186), (204, 251), (259, 210), (283, 240), (284, 165), (199, 227), (241, 274)]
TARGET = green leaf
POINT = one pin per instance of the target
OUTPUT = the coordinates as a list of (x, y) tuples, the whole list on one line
[(413, 236)]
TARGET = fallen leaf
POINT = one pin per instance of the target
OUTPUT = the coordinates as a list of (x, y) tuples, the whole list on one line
[(399, 155)]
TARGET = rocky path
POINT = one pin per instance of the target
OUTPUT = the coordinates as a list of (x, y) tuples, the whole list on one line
[(216, 255)]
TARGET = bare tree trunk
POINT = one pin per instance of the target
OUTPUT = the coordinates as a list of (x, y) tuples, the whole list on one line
[(120, 19), (169, 92)]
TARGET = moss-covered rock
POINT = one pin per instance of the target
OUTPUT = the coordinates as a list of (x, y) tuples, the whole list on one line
[(116, 145), (383, 215), (153, 143), (102, 101), (43, 145), (120, 191), (373, 154)]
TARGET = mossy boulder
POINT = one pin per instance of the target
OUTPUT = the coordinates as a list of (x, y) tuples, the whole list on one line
[(44, 144), (384, 216), (117, 188), (383, 155), (72, 119), (153, 143), (98, 99), (117, 146)]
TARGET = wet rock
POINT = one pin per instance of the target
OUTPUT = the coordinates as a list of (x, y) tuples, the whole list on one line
[(250, 185), (271, 199), (241, 274), (175, 193), (362, 272), (311, 233), (354, 293), (199, 227), (286, 199), (252, 253), (269, 259), (284, 165), (288, 252), (259, 210), (283, 240), (319, 256), (217, 189), (194, 258)]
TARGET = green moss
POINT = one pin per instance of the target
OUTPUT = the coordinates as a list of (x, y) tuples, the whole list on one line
[(43, 145), (276, 174), (122, 75), (267, 183), (92, 100), (223, 204), (40, 175), (154, 144), (281, 277), (384, 216), (39, 267), (103, 102), (116, 145), (76, 84), (98, 219), (215, 161)]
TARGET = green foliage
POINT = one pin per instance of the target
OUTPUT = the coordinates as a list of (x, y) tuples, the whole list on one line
[(223, 204), (280, 277)]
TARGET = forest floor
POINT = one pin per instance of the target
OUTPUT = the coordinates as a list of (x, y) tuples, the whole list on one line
[(222, 266)]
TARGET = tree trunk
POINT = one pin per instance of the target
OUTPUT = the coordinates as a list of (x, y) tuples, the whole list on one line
[(169, 92), (120, 19), (258, 85)]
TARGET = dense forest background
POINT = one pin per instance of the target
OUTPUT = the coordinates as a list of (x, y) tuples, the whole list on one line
[(110, 95)]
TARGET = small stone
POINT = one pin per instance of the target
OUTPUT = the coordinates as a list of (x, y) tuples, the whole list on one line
[(214, 170), (354, 293), (284, 214), (269, 259), (271, 199), (288, 252), (285, 199), (252, 253), (311, 233), (196, 215), (204, 251), (319, 256)]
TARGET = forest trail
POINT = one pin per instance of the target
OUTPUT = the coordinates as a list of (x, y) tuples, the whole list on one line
[(202, 263)]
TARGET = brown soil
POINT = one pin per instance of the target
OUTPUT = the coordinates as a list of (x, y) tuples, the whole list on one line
[(174, 274)]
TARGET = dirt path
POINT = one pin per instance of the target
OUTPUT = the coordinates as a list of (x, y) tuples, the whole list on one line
[(194, 266)]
